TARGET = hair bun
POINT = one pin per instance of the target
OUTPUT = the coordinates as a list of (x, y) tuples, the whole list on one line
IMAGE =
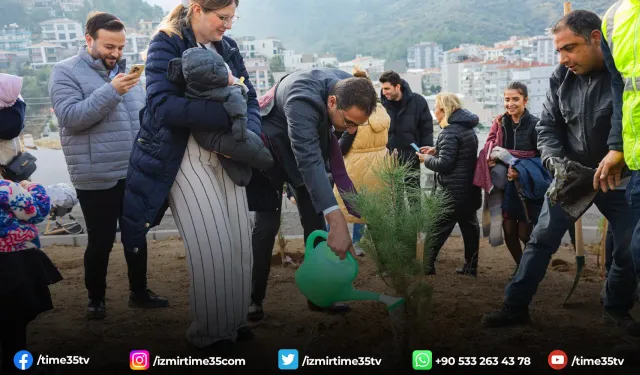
[(357, 72)]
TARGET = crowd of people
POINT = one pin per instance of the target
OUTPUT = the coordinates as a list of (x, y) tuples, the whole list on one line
[(133, 152)]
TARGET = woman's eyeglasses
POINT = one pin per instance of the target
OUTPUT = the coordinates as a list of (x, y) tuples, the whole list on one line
[(226, 20)]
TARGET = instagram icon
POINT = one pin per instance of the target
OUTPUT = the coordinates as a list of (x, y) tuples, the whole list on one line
[(139, 360)]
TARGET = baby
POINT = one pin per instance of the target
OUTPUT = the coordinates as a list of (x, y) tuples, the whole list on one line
[(206, 76)]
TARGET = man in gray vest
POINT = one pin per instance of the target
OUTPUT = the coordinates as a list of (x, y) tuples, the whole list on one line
[(97, 104)]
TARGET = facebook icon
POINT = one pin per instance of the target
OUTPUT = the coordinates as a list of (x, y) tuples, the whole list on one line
[(23, 360)]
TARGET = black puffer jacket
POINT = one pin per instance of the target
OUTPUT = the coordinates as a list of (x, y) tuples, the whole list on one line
[(521, 137), (455, 161), (412, 123)]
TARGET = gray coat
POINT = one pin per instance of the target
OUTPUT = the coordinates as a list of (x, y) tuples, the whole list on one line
[(97, 124)]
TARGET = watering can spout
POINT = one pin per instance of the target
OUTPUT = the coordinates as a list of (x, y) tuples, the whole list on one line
[(359, 295)]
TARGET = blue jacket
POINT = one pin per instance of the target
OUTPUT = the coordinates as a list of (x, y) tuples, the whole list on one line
[(534, 180), (165, 126)]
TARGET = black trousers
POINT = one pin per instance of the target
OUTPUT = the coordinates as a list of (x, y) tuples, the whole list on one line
[(468, 223), (102, 210), (13, 338), (267, 224)]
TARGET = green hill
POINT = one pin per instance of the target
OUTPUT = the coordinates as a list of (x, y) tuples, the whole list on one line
[(386, 28)]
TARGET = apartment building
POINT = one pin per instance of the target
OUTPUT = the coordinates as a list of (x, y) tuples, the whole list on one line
[(298, 61), (251, 47), (63, 32), (8, 59), (369, 63), (47, 53), (135, 44), (258, 69), (425, 55), (15, 39)]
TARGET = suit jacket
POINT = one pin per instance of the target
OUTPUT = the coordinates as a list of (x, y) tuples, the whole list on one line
[(298, 130)]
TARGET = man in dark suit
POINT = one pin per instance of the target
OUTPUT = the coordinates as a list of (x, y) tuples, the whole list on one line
[(307, 107)]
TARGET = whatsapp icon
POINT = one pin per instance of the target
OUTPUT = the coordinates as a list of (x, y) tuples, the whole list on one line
[(421, 360)]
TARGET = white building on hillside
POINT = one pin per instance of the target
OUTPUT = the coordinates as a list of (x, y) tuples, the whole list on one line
[(45, 53), (425, 55), (63, 32), (269, 47), (134, 45), (368, 63), (258, 69)]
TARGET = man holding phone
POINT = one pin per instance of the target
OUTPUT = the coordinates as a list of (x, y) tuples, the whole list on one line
[(411, 121), (97, 104)]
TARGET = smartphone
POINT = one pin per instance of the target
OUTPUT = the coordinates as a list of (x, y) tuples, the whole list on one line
[(137, 69), (415, 147)]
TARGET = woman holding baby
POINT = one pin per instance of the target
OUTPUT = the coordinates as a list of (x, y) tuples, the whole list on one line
[(169, 168)]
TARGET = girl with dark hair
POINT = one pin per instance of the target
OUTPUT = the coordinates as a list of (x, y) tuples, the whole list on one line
[(512, 136)]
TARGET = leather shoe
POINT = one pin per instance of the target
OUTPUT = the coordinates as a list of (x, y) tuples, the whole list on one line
[(336, 308), (147, 300)]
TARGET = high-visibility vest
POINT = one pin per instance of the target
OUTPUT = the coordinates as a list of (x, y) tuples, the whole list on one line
[(621, 30)]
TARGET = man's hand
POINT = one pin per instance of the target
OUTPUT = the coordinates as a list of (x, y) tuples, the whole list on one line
[(124, 82), (492, 163), (609, 171), (339, 239)]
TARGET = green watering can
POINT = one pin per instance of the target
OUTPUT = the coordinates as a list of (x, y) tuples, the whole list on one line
[(325, 279)]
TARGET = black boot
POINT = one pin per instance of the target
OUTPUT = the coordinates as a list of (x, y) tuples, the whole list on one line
[(146, 300), (96, 309), (508, 315), (468, 270)]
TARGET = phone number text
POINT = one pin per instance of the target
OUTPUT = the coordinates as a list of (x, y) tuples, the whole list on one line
[(483, 361)]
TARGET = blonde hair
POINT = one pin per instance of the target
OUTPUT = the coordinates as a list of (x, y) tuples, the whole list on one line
[(143, 54), (173, 22), (449, 103)]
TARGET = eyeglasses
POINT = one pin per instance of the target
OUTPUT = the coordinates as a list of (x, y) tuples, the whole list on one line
[(350, 123), (226, 20)]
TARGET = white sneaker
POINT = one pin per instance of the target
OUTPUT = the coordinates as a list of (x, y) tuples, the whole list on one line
[(358, 249)]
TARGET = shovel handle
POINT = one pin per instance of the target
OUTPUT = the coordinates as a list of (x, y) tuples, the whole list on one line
[(579, 238)]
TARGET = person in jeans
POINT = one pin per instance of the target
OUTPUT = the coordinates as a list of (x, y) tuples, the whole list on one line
[(576, 124), (97, 105), (454, 161)]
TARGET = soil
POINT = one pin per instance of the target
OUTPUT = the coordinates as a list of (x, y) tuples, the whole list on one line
[(454, 329)]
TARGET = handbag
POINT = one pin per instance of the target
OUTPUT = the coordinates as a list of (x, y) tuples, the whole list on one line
[(20, 167)]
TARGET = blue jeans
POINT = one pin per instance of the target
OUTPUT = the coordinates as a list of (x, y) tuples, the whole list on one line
[(633, 198), (357, 232), (547, 236)]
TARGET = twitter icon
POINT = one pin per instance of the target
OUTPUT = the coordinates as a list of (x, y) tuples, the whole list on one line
[(288, 359)]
